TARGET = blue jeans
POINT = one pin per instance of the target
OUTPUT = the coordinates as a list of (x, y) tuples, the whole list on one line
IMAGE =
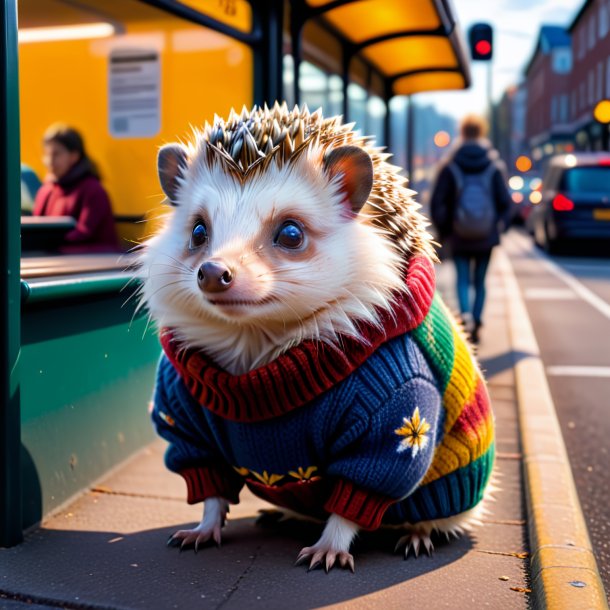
[(472, 270)]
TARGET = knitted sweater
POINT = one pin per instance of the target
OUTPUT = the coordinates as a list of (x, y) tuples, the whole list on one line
[(391, 429)]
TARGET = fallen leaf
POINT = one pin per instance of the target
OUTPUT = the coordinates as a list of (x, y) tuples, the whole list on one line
[(520, 589)]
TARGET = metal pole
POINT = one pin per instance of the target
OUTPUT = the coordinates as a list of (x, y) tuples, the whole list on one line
[(410, 138), (10, 305), (296, 30), (387, 126), (490, 108), (346, 61), (268, 75)]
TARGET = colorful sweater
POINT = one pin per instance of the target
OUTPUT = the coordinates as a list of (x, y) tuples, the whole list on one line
[(393, 429)]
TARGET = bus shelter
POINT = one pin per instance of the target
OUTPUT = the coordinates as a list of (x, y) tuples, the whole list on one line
[(77, 374)]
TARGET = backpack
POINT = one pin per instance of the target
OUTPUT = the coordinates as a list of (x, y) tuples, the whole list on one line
[(475, 209)]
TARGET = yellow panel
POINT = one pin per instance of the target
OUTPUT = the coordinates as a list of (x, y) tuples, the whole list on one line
[(236, 13), (411, 53), (68, 81), (360, 21), (429, 81)]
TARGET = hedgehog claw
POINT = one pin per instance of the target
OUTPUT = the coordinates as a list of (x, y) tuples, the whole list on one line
[(324, 557), (415, 540)]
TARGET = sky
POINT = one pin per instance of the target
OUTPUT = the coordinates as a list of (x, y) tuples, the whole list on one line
[(516, 24)]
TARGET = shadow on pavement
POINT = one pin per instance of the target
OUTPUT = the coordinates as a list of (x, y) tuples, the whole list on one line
[(254, 568), (502, 362)]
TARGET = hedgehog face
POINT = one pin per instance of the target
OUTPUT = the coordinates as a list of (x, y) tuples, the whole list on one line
[(276, 249), (285, 226)]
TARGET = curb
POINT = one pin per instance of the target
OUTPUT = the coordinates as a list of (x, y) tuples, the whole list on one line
[(564, 572)]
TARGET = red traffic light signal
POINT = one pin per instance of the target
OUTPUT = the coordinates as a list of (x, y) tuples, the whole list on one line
[(480, 37)]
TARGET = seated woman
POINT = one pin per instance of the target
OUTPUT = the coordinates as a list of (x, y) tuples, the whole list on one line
[(73, 188)]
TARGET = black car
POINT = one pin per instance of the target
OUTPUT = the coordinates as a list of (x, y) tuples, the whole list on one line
[(575, 201)]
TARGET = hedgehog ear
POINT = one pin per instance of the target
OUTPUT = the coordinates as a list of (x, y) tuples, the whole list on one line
[(171, 165), (355, 167)]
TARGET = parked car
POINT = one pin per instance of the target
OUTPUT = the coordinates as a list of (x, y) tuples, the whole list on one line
[(575, 202)]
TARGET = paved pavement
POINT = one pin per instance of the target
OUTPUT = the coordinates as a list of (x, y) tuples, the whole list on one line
[(107, 548)]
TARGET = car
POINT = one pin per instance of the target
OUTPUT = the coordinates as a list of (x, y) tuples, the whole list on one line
[(575, 202)]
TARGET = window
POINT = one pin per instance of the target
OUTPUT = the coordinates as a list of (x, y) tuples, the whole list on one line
[(554, 109), (564, 108), (608, 77), (376, 110), (581, 92), (600, 81), (288, 78), (586, 180), (575, 103), (562, 60), (313, 84), (603, 21), (582, 41), (357, 97), (592, 31), (591, 86)]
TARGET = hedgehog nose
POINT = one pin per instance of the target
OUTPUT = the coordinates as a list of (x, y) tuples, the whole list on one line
[(214, 276)]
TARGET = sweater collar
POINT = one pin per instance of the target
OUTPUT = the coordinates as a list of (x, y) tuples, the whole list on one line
[(303, 372)]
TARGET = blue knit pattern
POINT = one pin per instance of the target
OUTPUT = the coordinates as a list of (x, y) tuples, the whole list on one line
[(350, 432)]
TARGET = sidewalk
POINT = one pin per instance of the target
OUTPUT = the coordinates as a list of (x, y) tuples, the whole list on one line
[(107, 549)]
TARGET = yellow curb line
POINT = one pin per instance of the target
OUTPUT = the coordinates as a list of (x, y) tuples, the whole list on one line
[(564, 572)]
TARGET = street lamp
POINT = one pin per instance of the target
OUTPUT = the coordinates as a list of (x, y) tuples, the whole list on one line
[(601, 113)]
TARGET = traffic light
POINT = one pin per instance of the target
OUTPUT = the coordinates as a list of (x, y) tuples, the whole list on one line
[(480, 37)]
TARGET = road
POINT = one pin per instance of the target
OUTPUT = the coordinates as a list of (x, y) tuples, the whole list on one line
[(568, 301)]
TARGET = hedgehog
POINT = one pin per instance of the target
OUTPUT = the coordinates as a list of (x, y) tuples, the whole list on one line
[(306, 353)]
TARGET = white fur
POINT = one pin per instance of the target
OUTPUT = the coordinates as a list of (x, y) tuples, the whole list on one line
[(352, 270), (214, 514), (338, 534)]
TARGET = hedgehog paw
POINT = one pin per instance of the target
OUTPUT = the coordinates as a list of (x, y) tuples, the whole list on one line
[(325, 557), (414, 541)]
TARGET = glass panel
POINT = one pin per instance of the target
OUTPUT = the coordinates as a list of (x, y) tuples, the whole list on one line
[(376, 111), (313, 84), (288, 80), (357, 107)]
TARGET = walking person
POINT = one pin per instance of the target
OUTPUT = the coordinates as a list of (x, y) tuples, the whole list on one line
[(73, 188), (470, 203)]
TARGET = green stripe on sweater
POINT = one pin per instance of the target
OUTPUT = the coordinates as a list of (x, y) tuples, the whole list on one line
[(435, 338)]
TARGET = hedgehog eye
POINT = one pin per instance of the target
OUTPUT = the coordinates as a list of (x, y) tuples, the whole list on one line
[(199, 236), (290, 235)]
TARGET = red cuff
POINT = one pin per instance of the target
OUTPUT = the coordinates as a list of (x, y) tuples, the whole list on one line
[(206, 482), (363, 507)]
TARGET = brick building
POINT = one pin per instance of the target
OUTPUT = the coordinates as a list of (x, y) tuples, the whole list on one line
[(590, 76), (547, 80), (510, 124), (568, 74)]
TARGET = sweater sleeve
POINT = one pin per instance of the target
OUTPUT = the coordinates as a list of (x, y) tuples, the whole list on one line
[(192, 451), (382, 458)]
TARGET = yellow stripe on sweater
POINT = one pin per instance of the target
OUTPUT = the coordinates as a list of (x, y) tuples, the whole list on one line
[(459, 449), (462, 382)]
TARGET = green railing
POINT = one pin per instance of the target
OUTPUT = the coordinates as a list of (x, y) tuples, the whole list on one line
[(10, 250)]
